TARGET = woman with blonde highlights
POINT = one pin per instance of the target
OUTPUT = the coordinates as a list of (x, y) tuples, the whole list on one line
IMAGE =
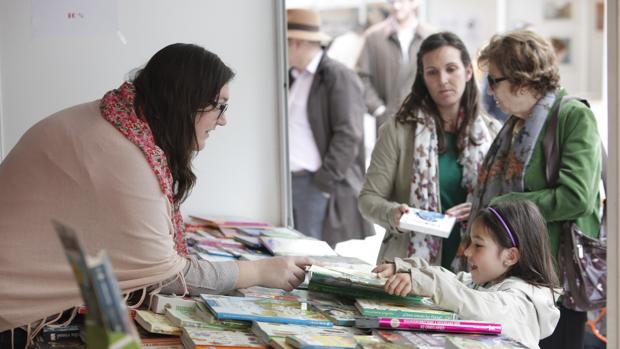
[(524, 80)]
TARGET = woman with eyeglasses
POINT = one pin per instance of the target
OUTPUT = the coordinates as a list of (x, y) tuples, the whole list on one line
[(524, 80), (427, 156), (117, 170)]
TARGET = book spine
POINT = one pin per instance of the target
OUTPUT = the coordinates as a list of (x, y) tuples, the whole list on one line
[(440, 326), (56, 334), (109, 299)]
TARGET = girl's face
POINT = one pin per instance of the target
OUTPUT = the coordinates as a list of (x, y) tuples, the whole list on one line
[(445, 76), (209, 118), (487, 260)]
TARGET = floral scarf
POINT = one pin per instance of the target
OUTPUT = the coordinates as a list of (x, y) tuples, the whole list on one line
[(117, 107), (505, 165), (425, 192)]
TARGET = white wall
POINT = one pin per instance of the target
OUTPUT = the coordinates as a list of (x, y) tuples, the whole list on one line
[(239, 170)]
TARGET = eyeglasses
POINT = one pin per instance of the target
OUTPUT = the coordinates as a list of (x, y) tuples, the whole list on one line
[(222, 107), (494, 82)]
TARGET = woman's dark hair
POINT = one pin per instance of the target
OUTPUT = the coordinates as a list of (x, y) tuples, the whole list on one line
[(177, 81), (529, 231), (419, 99)]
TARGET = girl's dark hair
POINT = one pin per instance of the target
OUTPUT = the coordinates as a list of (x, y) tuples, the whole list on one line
[(529, 230), (419, 99), (177, 81)]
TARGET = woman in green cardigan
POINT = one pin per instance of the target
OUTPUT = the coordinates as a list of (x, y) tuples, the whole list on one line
[(524, 80), (428, 155)]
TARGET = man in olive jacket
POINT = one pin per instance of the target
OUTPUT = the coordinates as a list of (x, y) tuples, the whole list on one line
[(326, 141)]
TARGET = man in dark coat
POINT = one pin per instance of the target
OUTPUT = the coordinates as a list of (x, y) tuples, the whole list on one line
[(326, 136)]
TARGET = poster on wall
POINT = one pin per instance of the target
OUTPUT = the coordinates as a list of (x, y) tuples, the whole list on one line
[(563, 49), (600, 15), (557, 9), (73, 17)]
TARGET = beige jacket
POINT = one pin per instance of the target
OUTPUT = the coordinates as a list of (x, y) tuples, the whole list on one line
[(386, 77), (75, 167), (388, 181), (527, 313)]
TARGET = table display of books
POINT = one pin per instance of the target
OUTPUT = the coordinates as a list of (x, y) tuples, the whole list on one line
[(344, 305)]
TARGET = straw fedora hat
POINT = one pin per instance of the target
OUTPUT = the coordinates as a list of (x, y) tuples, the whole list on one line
[(305, 24)]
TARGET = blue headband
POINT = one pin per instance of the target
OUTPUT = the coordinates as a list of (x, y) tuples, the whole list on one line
[(505, 225)]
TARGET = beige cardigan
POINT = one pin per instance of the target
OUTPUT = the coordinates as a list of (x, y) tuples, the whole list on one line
[(77, 168)]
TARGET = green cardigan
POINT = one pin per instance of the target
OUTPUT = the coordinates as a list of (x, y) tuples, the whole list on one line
[(577, 195)]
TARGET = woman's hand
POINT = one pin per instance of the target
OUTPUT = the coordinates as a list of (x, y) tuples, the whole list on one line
[(385, 270), (460, 212), (398, 212), (399, 284), (276, 272)]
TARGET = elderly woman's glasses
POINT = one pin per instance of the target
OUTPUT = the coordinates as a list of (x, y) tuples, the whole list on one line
[(494, 82), (222, 107)]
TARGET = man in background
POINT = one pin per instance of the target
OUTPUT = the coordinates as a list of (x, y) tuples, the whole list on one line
[(326, 143), (387, 63)]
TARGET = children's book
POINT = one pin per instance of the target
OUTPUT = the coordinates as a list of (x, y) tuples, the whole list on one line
[(339, 314), (373, 308), (264, 309), (205, 315), (427, 222), (281, 232), (266, 292), (357, 284), (482, 343), (458, 326), (107, 321), (200, 338), (310, 341), (249, 241), (297, 247), (433, 340), (156, 323), (267, 330)]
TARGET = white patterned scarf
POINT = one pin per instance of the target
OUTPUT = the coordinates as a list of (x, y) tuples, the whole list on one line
[(425, 192)]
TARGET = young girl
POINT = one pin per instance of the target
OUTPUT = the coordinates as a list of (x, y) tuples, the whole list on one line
[(512, 277)]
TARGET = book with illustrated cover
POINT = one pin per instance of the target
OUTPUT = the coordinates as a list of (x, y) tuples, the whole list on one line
[(264, 309), (156, 323), (373, 308), (458, 326), (200, 338), (427, 222), (297, 247), (339, 314), (204, 314), (434, 340), (267, 331), (357, 284), (107, 320), (311, 341), (266, 292), (454, 342)]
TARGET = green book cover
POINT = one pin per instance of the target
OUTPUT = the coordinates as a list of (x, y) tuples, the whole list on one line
[(374, 308), (379, 294)]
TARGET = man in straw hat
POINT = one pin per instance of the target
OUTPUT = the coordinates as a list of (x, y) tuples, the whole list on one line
[(326, 142)]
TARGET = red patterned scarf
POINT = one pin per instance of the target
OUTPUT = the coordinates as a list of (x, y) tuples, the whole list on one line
[(117, 106)]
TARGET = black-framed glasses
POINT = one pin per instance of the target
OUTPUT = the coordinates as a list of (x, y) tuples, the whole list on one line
[(494, 82), (222, 107)]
